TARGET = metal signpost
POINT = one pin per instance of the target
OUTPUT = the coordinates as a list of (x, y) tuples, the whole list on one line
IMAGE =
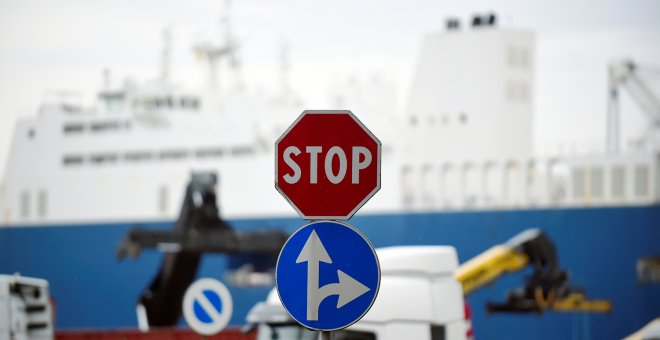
[(207, 306), (327, 165)]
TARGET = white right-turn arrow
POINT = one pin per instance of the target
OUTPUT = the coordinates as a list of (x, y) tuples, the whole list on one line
[(348, 289)]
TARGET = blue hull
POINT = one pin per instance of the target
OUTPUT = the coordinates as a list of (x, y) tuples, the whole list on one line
[(599, 246)]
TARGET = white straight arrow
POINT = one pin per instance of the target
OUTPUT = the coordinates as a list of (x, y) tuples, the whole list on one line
[(347, 288)]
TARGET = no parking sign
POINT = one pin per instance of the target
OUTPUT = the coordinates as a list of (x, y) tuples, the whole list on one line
[(207, 306)]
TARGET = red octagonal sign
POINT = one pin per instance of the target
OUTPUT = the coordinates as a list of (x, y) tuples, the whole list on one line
[(327, 164)]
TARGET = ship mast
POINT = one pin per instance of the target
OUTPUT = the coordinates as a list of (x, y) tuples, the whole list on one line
[(166, 55), (214, 53)]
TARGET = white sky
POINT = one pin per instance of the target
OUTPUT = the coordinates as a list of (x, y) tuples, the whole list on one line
[(64, 45)]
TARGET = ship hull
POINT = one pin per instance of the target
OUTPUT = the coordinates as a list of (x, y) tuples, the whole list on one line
[(598, 246)]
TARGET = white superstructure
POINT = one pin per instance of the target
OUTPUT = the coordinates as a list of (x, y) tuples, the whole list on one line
[(464, 141), (130, 158), (471, 96)]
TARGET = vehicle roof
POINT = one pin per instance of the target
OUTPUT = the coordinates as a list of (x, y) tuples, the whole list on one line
[(417, 260)]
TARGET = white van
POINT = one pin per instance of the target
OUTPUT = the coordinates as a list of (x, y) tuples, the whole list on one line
[(419, 298)]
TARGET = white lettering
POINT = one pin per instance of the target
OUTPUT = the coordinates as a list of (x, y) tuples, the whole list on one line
[(335, 150), (313, 152), (291, 179), (358, 165)]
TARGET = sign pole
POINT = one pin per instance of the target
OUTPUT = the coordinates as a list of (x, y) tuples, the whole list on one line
[(327, 165)]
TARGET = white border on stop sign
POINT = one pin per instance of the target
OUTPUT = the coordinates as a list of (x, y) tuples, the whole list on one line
[(366, 199)]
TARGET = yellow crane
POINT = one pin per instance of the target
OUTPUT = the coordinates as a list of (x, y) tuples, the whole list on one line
[(547, 287)]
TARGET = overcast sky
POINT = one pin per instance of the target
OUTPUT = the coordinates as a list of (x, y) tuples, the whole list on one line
[(64, 45)]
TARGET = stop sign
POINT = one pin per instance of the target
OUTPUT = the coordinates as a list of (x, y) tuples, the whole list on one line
[(327, 164)]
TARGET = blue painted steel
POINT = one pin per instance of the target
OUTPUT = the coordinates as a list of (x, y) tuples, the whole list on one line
[(349, 252), (599, 246)]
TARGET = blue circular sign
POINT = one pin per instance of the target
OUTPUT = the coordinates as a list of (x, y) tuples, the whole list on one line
[(207, 306), (327, 275)]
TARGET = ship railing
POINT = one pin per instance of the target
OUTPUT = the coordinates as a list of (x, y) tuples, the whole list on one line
[(532, 183)]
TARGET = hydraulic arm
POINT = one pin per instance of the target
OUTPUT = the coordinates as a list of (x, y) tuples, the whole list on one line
[(546, 288), (198, 230)]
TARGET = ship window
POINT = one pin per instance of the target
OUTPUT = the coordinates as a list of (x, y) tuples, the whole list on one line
[(523, 58), (42, 201), (470, 185), (463, 118), (523, 90), (450, 183), (445, 119), (191, 103), (641, 181), (208, 153), (518, 57), (72, 160), (73, 128), (578, 182), (138, 156), (558, 181), (511, 56), (618, 182), (517, 91), (104, 126), (408, 187), (163, 199), (514, 181), (173, 154), (241, 150), (148, 103), (532, 186), (430, 185), (103, 158), (25, 204), (596, 182), (493, 183)]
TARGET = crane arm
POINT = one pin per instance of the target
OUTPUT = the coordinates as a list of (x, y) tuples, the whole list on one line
[(624, 74), (198, 230), (643, 96), (546, 288), (488, 266)]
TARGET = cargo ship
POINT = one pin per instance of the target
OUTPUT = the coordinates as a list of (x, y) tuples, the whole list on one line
[(458, 169)]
